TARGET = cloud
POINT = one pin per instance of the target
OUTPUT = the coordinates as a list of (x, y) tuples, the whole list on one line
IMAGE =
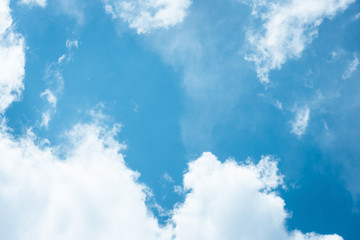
[(83, 189), (288, 27), (50, 111), (72, 9), (351, 68), (87, 194), (55, 81), (12, 59), (234, 201), (147, 15), (41, 3), (72, 43), (356, 17), (90, 193), (299, 125)]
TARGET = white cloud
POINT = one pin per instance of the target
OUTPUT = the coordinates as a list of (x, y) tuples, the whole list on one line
[(352, 67), (72, 43), (299, 125), (232, 201), (55, 81), (146, 15), (12, 59), (49, 112), (289, 26), (41, 3), (356, 17), (90, 193)]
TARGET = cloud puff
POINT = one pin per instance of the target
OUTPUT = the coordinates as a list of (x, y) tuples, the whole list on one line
[(146, 15), (41, 3), (12, 59), (288, 27), (352, 67), (299, 125)]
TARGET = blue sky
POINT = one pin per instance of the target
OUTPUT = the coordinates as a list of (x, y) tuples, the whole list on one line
[(179, 119)]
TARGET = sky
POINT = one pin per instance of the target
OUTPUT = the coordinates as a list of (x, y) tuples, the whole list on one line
[(180, 119)]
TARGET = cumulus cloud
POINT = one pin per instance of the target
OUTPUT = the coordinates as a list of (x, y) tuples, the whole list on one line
[(288, 27), (351, 68), (41, 3), (90, 193), (12, 59), (146, 15), (300, 123), (234, 201)]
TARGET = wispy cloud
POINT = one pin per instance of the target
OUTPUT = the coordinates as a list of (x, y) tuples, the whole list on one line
[(351, 68), (49, 112), (356, 17), (41, 3), (55, 82), (288, 27), (146, 15), (300, 123)]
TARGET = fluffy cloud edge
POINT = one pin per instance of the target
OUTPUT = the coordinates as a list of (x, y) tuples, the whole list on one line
[(12, 59), (288, 28), (90, 193), (147, 15)]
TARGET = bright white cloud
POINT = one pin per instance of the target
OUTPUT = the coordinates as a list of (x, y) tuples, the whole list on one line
[(232, 201), (146, 15), (299, 125), (12, 59), (289, 26), (41, 3), (90, 194), (352, 67)]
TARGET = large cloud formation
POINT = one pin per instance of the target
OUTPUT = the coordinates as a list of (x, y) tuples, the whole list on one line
[(83, 189), (92, 194), (146, 15), (288, 27)]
